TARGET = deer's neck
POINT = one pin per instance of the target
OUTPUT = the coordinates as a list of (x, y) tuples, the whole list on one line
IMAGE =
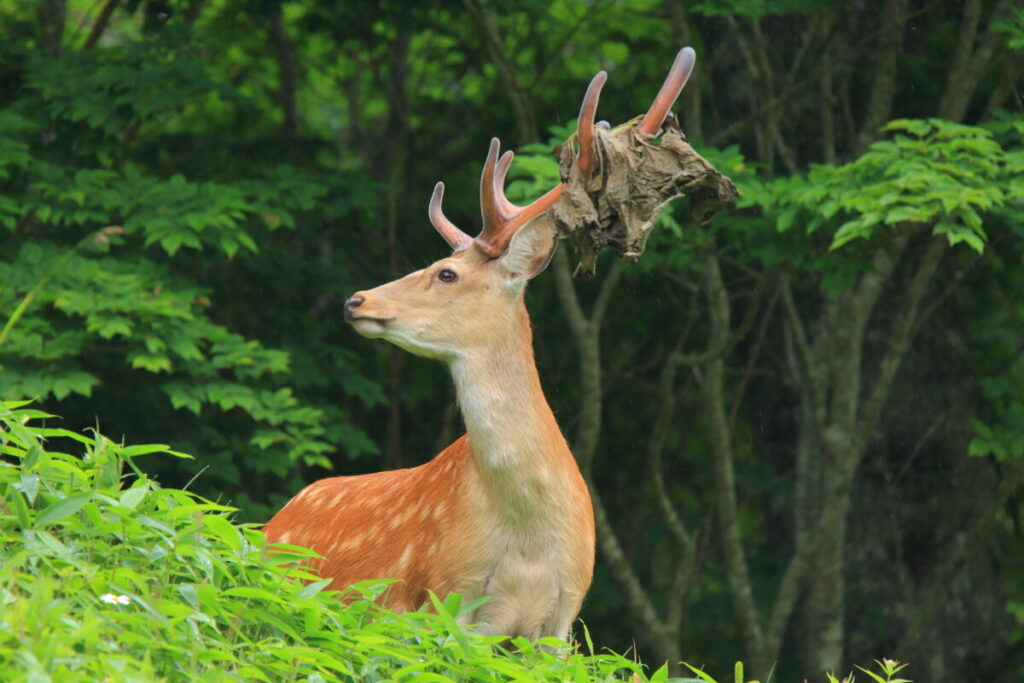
[(511, 427)]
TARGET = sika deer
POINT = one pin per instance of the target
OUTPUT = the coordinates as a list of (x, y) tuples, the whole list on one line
[(503, 512)]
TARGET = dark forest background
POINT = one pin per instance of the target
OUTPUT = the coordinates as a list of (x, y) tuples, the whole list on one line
[(803, 424)]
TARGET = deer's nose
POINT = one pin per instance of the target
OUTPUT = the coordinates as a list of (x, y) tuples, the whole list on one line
[(353, 303)]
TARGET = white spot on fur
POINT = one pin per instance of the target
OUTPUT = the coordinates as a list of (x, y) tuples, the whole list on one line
[(400, 518), (403, 561), (350, 543)]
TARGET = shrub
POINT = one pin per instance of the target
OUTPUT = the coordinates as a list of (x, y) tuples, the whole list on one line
[(104, 574)]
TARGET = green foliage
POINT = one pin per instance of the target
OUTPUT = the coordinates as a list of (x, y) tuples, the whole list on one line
[(932, 173), (1013, 28), (887, 669), (756, 9), (1002, 435), (99, 281), (106, 574)]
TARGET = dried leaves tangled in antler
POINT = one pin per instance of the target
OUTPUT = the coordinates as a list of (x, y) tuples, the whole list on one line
[(619, 182), (634, 178)]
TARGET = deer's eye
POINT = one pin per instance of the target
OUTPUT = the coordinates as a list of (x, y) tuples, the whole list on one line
[(447, 275)]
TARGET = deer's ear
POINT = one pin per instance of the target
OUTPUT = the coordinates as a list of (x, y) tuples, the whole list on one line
[(529, 251)]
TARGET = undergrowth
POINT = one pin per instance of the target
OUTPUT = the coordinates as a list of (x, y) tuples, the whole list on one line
[(106, 575)]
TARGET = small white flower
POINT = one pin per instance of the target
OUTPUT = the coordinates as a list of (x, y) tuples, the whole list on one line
[(112, 599)]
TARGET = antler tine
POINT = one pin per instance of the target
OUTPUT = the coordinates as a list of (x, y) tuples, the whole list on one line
[(585, 127), (501, 217), (674, 82), (488, 202), (507, 208), (455, 238)]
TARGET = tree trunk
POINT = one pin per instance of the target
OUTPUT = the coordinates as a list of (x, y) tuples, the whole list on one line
[(972, 58), (52, 14), (854, 410), (286, 72)]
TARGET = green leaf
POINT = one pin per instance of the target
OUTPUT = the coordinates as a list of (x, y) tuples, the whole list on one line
[(252, 593), (452, 627), (661, 675), (133, 496), (62, 509), (143, 449), (979, 447), (224, 530), (311, 589), (151, 363), (701, 674), (875, 677), (20, 509), (29, 485)]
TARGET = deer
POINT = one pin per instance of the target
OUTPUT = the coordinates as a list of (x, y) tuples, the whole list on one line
[(502, 513)]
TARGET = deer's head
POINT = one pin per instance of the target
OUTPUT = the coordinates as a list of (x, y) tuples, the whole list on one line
[(463, 301), (474, 297)]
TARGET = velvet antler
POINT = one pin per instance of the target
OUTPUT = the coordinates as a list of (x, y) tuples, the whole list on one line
[(502, 218)]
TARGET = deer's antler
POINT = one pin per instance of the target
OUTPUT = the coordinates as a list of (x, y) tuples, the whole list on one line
[(680, 72), (455, 238), (501, 218)]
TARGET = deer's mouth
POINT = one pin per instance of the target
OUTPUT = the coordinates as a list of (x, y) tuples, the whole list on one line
[(369, 326)]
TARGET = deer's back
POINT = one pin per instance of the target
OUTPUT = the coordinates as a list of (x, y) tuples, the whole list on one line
[(399, 524)]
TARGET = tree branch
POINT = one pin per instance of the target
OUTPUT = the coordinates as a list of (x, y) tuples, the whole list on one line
[(969, 64), (488, 22), (101, 24), (899, 340), (727, 508), (755, 351), (567, 294), (666, 411), (691, 95), (812, 370), (286, 71), (883, 88), (639, 604), (858, 305), (604, 295)]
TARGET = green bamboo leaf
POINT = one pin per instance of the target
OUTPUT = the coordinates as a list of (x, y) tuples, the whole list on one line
[(701, 674), (143, 449), (62, 509), (224, 530), (133, 496), (20, 509), (452, 627), (311, 589)]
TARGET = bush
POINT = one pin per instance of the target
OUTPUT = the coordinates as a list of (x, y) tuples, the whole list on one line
[(104, 575)]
